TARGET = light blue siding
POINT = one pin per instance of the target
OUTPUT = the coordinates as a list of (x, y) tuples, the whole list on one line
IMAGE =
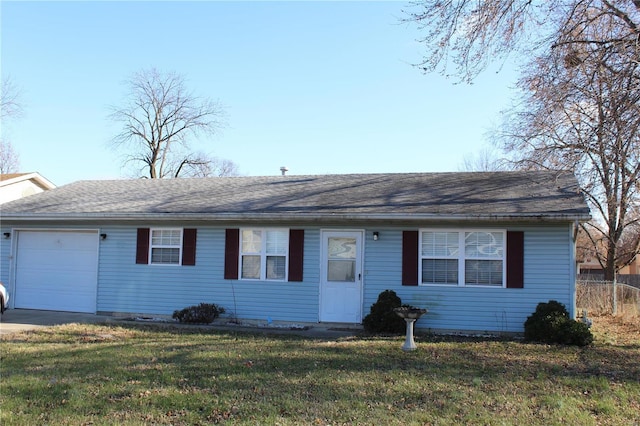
[(126, 287), (5, 257), (547, 275), (159, 289)]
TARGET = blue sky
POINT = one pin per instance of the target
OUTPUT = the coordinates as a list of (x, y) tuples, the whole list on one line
[(319, 87)]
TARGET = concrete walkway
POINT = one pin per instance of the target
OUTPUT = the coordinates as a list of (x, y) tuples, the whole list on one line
[(17, 320)]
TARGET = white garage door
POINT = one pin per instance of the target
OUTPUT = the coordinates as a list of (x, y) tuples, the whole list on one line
[(57, 271)]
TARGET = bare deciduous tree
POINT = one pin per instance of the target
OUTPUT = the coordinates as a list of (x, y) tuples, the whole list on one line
[(583, 114), (485, 160), (470, 34), (628, 246), (158, 122), (581, 92), (592, 247), (203, 165), (10, 107), (9, 159)]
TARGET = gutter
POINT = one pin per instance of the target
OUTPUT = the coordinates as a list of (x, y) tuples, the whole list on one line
[(296, 217)]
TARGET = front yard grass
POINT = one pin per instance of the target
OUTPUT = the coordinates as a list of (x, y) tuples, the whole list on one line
[(146, 374)]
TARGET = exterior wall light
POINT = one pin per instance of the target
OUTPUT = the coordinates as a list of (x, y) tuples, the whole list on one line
[(103, 236), (376, 235), (7, 235)]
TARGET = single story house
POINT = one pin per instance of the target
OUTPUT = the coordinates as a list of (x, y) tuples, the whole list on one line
[(18, 185), (478, 250)]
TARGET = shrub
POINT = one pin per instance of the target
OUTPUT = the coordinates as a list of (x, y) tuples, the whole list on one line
[(204, 313), (382, 319), (550, 323), (540, 325), (575, 333)]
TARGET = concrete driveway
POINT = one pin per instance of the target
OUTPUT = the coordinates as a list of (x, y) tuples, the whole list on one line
[(15, 320)]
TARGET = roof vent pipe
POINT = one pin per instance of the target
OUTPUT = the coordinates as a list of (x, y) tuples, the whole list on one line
[(284, 170)]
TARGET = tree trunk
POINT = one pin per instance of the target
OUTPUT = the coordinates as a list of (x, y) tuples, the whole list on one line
[(610, 266)]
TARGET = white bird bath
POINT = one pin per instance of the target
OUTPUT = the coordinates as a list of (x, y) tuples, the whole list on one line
[(410, 315)]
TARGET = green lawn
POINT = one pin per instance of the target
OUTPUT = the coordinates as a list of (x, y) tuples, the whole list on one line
[(144, 374)]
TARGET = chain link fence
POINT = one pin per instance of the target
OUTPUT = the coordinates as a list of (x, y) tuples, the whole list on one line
[(607, 297)]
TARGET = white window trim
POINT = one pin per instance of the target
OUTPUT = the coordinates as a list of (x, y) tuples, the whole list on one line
[(461, 257), (152, 246), (263, 256)]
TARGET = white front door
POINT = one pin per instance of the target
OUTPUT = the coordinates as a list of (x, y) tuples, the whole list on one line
[(341, 277)]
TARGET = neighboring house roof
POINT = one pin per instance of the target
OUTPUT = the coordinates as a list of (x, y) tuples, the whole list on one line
[(12, 178), (18, 185), (394, 196)]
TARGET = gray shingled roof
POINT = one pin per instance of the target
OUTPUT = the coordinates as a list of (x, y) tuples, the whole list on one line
[(490, 195)]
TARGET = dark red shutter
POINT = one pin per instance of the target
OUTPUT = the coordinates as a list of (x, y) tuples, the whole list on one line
[(142, 246), (189, 246), (410, 258), (231, 253), (515, 259), (296, 254)]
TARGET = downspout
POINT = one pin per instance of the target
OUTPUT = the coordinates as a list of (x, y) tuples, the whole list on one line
[(573, 268)]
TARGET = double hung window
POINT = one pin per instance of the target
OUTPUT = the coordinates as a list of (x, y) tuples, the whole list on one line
[(166, 246), (264, 254), (462, 257)]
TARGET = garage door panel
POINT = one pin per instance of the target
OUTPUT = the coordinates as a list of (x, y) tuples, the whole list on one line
[(60, 280), (57, 270), (47, 260), (57, 240), (51, 299)]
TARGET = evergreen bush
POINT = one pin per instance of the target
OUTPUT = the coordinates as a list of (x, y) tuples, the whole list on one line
[(382, 319), (204, 313), (550, 323), (575, 333)]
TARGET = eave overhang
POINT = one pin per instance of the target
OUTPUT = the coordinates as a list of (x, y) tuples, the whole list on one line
[(298, 217)]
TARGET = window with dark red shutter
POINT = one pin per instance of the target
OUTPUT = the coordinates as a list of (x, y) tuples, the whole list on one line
[(295, 272), (475, 269), (166, 255)]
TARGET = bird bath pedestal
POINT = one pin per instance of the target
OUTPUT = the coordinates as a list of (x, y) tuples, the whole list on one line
[(410, 315)]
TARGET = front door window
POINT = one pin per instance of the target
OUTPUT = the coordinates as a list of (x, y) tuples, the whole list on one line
[(341, 259)]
